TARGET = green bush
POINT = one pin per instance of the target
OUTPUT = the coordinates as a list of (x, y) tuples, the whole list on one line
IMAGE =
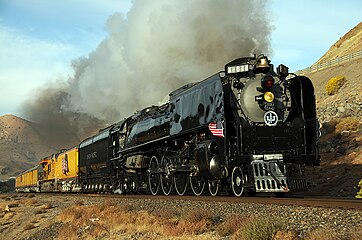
[(359, 193), (334, 84)]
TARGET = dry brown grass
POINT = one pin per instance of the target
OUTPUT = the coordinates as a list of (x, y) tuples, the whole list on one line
[(29, 226), (39, 211), (167, 213), (6, 198), (285, 235), (322, 234), (348, 124), (259, 228), (96, 221), (105, 221), (47, 206), (99, 220), (230, 225), (13, 205), (28, 201)]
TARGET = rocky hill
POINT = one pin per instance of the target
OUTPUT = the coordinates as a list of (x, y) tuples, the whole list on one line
[(341, 118), (349, 43), (22, 144)]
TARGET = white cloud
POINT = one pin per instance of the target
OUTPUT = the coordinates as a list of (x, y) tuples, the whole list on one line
[(27, 63)]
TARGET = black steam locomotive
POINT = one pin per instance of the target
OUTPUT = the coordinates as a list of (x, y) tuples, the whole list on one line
[(246, 129)]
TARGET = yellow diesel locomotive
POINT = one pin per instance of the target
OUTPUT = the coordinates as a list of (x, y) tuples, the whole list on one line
[(58, 173)]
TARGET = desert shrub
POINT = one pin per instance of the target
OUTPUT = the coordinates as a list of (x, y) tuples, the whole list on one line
[(322, 234), (347, 124), (285, 235), (262, 228), (47, 206), (329, 127), (196, 221), (359, 193), (79, 203), (39, 211), (198, 215), (68, 232), (29, 226), (29, 201), (13, 205), (230, 225), (167, 214), (334, 84)]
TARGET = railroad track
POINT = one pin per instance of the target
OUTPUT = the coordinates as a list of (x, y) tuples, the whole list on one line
[(321, 202)]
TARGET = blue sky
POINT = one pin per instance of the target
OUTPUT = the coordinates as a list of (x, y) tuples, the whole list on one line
[(40, 38)]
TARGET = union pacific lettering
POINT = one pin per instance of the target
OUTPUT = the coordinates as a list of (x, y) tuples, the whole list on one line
[(91, 155)]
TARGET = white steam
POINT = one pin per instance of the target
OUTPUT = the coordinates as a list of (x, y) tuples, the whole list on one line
[(160, 46)]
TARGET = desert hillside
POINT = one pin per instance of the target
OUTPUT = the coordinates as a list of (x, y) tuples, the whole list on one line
[(341, 117), (22, 144), (348, 100), (349, 43)]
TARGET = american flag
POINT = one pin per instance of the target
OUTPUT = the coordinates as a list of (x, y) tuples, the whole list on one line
[(65, 168), (215, 130)]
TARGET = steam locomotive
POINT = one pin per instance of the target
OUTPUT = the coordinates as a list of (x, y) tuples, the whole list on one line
[(244, 130)]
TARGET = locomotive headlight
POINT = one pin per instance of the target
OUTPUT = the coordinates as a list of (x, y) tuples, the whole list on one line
[(268, 96)]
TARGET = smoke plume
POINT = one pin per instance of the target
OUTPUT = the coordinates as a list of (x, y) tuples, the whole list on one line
[(158, 47)]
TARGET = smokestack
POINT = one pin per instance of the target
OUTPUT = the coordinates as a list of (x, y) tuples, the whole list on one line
[(158, 47)]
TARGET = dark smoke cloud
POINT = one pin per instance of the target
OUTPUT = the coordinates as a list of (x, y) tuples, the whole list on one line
[(159, 46)]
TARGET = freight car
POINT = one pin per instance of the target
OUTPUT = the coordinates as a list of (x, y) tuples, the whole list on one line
[(27, 181), (246, 129)]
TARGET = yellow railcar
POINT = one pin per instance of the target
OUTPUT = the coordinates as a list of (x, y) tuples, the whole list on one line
[(60, 171), (66, 165), (27, 181)]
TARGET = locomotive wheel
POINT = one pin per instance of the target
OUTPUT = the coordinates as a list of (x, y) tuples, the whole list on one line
[(119, 188), (166, 177), (197, 185), (238, 181), (180, 179), (214, 187), (153, 176)]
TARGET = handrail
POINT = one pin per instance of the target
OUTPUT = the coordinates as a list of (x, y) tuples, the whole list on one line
[(326, 64)]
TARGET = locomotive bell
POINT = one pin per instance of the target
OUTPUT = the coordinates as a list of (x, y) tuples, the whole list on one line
[(262, 65)]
